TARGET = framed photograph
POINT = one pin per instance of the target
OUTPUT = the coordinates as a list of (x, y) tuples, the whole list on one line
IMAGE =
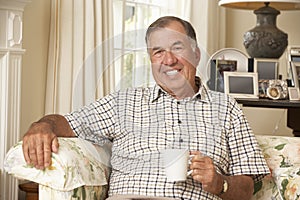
[(262, 88), (217, 68), (294, 93), (221, 67), (241, 84), (295, 74), (266, 69), (293, 53), (211, 83)]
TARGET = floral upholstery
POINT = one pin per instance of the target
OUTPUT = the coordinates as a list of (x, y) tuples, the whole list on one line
[(283, 158), (78, 172)]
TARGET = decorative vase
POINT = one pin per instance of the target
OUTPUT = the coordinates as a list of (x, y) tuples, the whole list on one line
[(265, 40)]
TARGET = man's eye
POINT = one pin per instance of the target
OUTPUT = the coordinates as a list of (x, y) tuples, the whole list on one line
[(158, 53), (177, 49)]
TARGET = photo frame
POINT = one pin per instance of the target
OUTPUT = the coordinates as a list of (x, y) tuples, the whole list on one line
[(221, 67), (295, 74), (266, 69), (218, 67), (241, 84), (262, 88), (294, 93), (293, 53)]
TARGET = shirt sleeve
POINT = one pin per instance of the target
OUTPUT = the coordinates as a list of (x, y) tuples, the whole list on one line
[(94, 122), (244, 152)]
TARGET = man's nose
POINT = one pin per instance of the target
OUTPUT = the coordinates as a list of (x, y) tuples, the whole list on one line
[(169, 58)]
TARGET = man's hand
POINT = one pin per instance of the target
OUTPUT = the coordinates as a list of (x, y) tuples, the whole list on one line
[(204, 171), (239, 186), (38, 144), (41, 139)]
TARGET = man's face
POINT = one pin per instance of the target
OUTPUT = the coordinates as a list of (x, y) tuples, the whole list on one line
[(174, 58)]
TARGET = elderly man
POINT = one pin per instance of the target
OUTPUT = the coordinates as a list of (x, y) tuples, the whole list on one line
[(179, 111)]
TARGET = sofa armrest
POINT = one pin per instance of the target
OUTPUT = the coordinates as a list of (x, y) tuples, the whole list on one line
[(78, 163)]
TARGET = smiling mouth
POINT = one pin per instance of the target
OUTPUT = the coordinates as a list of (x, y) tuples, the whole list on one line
[(172, 73)]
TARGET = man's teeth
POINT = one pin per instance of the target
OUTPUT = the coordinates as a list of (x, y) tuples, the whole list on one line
[(173, 72)]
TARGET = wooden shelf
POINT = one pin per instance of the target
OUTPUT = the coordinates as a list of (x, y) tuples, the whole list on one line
[(268, 103)]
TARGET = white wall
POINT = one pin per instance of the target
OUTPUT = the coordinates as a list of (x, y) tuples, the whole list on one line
[(35, 40)]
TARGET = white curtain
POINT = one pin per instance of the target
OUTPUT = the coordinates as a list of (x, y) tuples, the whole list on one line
[(209, 20), (80, 61)]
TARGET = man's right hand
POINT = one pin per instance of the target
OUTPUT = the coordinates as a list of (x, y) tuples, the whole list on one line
[(38, 144), (41, 139)]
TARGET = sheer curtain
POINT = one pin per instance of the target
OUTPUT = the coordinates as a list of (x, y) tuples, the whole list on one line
[(80, 64)]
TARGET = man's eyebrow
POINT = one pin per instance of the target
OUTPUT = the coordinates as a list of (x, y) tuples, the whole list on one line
[(156, 48), (175, 43)]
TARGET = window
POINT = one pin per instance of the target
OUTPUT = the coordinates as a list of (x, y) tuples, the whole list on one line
[(131, 19)]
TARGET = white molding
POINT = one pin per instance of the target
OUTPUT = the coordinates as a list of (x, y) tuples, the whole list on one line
[(11, 52), (10, 95), (14, 29), (14, 4)]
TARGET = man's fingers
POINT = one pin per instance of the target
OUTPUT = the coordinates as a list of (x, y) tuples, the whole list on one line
[(40, 155), (48, 149), (55, 145), (37, 149), (26, 153)]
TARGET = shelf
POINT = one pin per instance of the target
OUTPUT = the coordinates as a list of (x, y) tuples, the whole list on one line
[(268, 103)]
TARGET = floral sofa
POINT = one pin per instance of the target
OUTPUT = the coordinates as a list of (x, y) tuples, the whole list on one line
[(78, 172)]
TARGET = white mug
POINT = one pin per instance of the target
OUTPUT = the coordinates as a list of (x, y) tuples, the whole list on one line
[(176, 164)]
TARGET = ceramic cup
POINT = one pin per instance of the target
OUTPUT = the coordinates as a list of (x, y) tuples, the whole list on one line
[(176, 164)]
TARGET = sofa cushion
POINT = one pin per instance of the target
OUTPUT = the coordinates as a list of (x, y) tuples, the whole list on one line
[(76, 164), (282, 156)]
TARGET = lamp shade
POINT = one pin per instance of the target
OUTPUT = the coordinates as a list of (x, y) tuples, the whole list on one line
[(265, 40), (255, 4)]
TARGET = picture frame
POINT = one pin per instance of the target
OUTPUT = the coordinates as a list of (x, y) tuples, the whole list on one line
[(295, 74), (262, 88), (266, 69), (218, 67), (241, 84), (293, 53), (294, 93), (223, 65)]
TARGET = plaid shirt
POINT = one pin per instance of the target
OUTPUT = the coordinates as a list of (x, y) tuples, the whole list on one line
[(141, 122)]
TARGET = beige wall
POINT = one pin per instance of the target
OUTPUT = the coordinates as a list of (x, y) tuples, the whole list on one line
[(36, 29), (35, 40), (262, 120)]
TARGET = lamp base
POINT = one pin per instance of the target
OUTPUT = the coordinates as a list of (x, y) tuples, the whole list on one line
[(265, 40)]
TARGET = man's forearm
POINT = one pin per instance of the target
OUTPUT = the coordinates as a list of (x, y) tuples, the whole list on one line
[(58, 124), (239, 187)]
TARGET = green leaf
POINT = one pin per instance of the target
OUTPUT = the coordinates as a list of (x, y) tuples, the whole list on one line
[(284, 183), (280, 147), (257, 187), (283, 163)]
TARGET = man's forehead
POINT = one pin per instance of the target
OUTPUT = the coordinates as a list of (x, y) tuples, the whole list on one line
[(167, 36)]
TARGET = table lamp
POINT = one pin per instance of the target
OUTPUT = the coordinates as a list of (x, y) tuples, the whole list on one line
[(265, 40)]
